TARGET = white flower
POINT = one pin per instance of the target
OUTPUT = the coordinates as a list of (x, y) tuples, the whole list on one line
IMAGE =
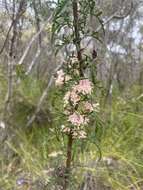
[(74, 60), (60, 78), (67, 78), (82, 135), (55, 154), (65, 129), (2, 125), (96, 107)]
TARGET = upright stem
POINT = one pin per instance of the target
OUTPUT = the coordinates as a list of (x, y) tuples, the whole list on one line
[(76, 41), (77, 34), (11, 58), (39, 45), (69, 160), (12, 50), (69, 152)]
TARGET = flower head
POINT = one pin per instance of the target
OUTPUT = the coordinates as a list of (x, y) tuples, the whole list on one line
[(67, 78), (60, 78), (96, 107), (74, 97), (76, 119), (65, 129), (74, 60), (82, 134), (71, 96), (84, 86), (86, 120), (66, 98), (88, 107), (79, 134)]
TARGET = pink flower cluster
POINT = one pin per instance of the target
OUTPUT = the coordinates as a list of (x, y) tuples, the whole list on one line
[(77, 119), (80, 134), (84, 87), (71, 96), (76, 101), (88, 107)]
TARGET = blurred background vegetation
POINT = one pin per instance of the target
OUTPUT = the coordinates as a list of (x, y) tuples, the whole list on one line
[(32, 149)]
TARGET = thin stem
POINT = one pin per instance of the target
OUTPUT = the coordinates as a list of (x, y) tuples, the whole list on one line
[(69, 160), (77, 39), (69, 152)]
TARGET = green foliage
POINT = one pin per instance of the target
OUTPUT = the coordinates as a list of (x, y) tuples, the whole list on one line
[(113, 150), (43, 148), (63, 20)]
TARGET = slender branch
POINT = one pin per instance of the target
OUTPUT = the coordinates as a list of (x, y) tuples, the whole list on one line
[(33, 61), (69, 160), (39, 41), (37, 19), (76, 41), (31, 42), (6, 39), (29, 46), (11, 55), (20, 12), (43, 97)]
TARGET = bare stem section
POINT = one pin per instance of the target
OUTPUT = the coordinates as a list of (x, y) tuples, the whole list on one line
[(69, 160)]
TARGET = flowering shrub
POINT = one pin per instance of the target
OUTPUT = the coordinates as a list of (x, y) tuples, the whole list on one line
[(77, 99)]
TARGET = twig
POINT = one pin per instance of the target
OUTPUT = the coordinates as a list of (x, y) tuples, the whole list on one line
[(14, 21), (33, 61)]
